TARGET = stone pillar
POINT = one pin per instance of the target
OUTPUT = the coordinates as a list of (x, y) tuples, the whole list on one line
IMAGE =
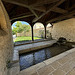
[(6, 42)]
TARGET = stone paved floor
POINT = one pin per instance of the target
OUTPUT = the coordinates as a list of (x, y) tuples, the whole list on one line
[(62, 64)]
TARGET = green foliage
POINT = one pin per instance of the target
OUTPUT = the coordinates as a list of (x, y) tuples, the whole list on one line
[(47, 31), (20, 28), (41, 32), (14, 30)]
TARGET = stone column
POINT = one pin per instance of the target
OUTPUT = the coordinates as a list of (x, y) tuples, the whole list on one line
[(6, 42)]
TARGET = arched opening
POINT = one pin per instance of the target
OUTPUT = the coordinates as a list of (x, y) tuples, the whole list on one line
[(21, 31), (48, 31), (39, 31)]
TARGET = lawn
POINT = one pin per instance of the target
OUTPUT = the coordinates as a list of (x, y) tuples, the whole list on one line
[(24, 38)]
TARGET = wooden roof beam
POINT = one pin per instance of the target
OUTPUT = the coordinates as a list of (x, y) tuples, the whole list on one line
[(50, 9), (59, 10), (33, 12), (18, 2), (24, 4), (67, 4), (67, 15), (72, 7), (20, 17), (40, 8), (21, 3), (42, 2)]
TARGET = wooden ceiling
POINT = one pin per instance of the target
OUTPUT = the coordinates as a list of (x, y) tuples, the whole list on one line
[(45, 11)]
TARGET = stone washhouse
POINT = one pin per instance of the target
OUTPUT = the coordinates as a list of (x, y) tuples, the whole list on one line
[(59, 13)]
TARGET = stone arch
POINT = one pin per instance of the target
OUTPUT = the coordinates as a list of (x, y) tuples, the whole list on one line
[(48, 31), (24, 34), (39, 30)]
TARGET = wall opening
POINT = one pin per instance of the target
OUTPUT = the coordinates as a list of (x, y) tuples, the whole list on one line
[(39, 31), (21, 31), (49, 31)]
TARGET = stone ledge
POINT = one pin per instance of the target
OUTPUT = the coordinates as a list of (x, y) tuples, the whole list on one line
[(31, 47), (31, 42)]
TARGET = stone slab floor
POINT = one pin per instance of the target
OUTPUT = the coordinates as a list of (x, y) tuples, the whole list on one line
[(62, 64)]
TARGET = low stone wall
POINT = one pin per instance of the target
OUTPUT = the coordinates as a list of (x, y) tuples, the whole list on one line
[(24, 34), (36, 33), (64, 29)]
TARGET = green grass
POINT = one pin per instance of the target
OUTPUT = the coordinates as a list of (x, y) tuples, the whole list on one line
[(24, 38)]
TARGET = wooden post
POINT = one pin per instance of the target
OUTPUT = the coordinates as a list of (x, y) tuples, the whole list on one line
[(45, 31), (32, 33)]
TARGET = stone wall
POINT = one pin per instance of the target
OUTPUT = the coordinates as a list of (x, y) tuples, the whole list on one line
[(24, 34), (6, 44), (65, 29)]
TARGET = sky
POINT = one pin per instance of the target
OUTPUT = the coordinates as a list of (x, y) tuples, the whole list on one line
[(23, 22)]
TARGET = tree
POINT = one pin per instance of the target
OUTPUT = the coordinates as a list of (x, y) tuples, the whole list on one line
[(14, 30), (19, 27), (26, 28)]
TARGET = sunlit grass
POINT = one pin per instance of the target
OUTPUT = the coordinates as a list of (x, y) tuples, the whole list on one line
[(24, 38)]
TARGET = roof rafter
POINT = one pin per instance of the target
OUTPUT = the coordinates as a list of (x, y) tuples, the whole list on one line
[(40, 8), (50, 9), (56, 9), (67, 4), (22, 3), (72, 7), (67, 15), (41, 2), (59, 10), (22, 17), (33, 12)]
